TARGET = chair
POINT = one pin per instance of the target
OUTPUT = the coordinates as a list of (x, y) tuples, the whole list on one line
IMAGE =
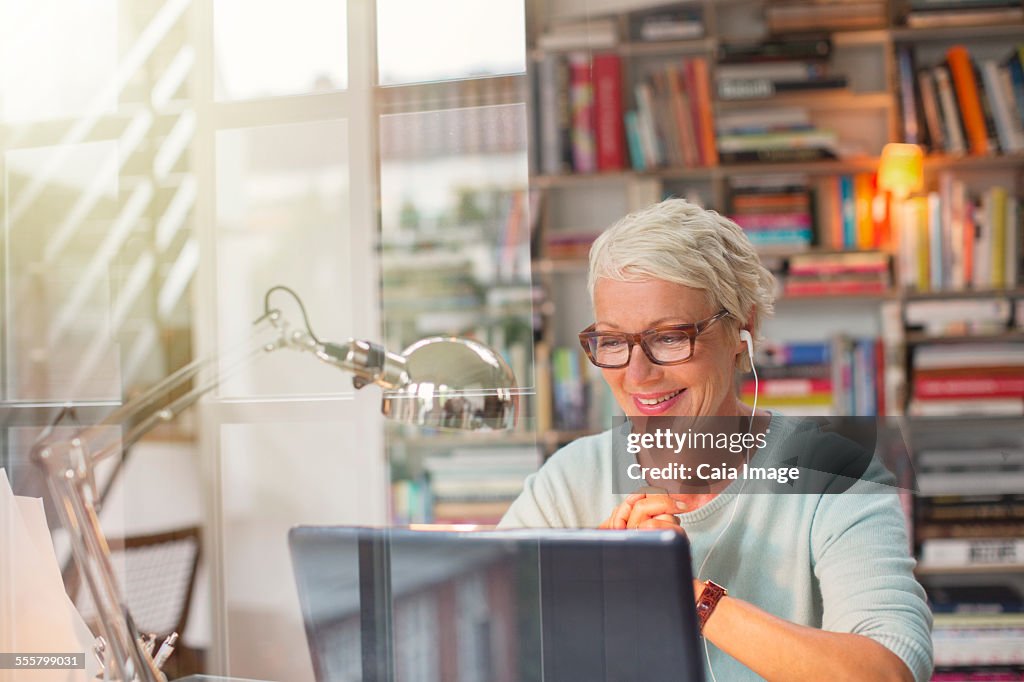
[(156, 574)]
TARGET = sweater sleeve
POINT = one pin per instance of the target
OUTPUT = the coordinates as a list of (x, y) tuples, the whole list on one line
[(862, 561), (535, 507), (563, 492)]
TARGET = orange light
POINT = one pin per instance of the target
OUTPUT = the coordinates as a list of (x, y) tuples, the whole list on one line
[(901, 170)]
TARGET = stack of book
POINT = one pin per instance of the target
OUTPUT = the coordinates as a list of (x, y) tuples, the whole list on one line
[(953, 241), (773, 135), (970, 509), (836, 274), (958, 317), (429, 281), (963, 105), (592, 34), (791, 16), (580, 399), (579, 113), (793, 379), (852, 213), (967, 378), (670, 23), (765, 69), (477, 485), (568, 245), (773, 210), (673, 122), (936, 13), (978, 631)]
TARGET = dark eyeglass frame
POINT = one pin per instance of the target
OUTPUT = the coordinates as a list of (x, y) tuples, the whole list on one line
[(691, 329)]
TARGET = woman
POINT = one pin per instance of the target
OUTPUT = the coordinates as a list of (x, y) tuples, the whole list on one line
[(820, 587)]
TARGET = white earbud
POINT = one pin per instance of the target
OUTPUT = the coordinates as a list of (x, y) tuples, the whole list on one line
[(745, 336)]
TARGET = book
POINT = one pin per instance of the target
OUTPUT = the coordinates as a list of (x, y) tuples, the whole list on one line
[(803, 16), (948, 552), (704, 110), (555, 115), (935, 128), (760, 88), (956, 142), (775, 50), (609, 122), (680, 24), (581, 99), (961, 71), (908, 95), (584, 35), (964, 17)]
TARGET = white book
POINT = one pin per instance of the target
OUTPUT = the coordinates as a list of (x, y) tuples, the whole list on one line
[(975, 310), (968, 355), (1012, 242), (775, 117), (950, 113), (984, 407), (948, 552), (1005, 85), (982, 276), (999, 106)]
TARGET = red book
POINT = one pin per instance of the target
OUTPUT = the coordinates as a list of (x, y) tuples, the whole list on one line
[(978, 386), (835, 288), (611, 146), (795, 387)]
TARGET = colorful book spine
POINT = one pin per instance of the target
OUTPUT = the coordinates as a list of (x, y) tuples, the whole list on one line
[(581, 97)]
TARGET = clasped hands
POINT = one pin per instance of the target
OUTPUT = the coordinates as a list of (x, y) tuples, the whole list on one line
[(654, 510)]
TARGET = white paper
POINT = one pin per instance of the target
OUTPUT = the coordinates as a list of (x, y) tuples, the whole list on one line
[(35, 612)]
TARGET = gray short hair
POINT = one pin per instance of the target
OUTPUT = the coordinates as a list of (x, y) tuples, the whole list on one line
[(680, 242)]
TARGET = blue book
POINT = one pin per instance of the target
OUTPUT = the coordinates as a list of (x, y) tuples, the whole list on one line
[(807, 353), (848, 203), (1017, 77), (636, 147), (779, 237)]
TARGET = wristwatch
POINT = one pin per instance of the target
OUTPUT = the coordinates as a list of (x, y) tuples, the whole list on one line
[(708, 600)]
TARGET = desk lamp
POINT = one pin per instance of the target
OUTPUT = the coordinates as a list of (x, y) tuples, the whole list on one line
[(439, 382)]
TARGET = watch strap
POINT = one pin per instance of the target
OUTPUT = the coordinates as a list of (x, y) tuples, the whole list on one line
[(708, 600)]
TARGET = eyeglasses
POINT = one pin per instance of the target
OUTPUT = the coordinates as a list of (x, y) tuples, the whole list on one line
[(669, 345)]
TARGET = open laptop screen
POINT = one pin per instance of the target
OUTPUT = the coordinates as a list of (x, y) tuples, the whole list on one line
[(502, 606)]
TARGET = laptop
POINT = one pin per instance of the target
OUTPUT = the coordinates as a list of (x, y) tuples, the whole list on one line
[(389, 604)]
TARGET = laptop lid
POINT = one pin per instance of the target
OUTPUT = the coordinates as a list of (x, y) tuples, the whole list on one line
[(502, 606)]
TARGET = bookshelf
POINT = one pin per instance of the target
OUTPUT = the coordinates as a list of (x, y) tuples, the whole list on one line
[(879, 329)]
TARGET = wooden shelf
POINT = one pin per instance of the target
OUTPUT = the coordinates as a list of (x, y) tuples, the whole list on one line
[(556, 265), (957, 33), (917, 338), (935, 162), (965, 293)]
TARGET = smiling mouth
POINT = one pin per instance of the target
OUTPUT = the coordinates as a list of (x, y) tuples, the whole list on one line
[(655, 401)]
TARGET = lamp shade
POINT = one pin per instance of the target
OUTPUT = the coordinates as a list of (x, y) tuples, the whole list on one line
[(901, 170), (454, 383)]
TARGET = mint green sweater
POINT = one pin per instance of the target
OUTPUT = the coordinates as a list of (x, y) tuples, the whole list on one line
[(840, 562)]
